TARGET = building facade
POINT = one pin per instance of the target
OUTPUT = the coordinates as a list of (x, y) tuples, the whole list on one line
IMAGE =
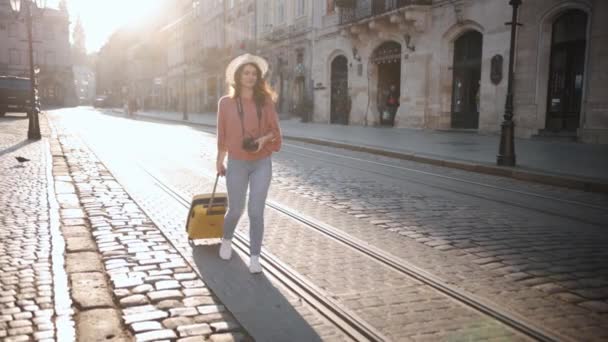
[(52, 52), (285, 39), (448, 60), (84, 74)]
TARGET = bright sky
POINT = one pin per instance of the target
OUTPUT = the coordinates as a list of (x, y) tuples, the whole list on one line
[(101, 18)]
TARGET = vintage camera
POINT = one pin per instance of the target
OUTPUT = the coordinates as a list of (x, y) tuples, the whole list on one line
[(250, 145)]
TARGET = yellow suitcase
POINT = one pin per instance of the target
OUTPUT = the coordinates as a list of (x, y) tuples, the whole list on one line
[(206, 215)]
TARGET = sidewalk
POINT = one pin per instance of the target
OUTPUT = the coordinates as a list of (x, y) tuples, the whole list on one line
[(573, 165)]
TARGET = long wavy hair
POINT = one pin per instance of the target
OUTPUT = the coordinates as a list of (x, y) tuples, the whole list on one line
[(262, 91)]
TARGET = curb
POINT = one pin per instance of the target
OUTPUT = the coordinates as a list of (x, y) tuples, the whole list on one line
[(577, 183)]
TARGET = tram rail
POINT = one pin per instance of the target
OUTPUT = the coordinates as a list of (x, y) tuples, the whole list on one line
[(348, 322), (345, 320), (590, 215)]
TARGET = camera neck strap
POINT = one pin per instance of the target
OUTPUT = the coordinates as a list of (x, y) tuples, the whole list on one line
[(239, 108)]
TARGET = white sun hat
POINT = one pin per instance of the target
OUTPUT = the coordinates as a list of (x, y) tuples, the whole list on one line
[(236, 63)]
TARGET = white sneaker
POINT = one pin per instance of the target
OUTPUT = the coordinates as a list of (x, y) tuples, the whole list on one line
[(226, 249), (254, 264)]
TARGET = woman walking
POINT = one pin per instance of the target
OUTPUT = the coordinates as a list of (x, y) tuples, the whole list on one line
[(248, 133)]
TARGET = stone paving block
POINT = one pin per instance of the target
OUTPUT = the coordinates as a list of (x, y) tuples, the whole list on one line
[(62, 188), (208, 309), (146, 316), (146, 326), (200, 291), (126, 282), (69, 231), (194, 329), (21, 331), (183, 312), (156, 296), (41, 335), (167, 285), (192, 339), (222, 327), (169, 304), (90, 290), (83, 262), (19, 323), (155, 335), (80, 244), (227, 337), (20, 338), (174, 322), (145, 288), (199, 301), (134, 300)]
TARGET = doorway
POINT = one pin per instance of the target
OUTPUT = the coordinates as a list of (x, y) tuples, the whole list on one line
[(567, 63), (340, 101), (466, 78), (387, 57)]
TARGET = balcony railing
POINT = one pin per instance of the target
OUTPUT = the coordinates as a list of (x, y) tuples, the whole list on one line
[(363, 9)]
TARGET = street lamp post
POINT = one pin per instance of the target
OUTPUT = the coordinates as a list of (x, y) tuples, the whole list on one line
[(506, 152), (33, 132)]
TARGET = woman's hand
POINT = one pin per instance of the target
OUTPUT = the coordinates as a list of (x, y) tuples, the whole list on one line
[(262, 141), (219, 163), (221, 169)]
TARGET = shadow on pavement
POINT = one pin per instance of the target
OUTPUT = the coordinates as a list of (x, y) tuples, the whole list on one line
[(15, 147), (13, 117), (255, 302)]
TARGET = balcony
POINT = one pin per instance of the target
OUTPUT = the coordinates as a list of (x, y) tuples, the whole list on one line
[(352, 11)]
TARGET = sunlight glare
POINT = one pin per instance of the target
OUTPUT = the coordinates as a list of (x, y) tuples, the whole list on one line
[(101, 18)]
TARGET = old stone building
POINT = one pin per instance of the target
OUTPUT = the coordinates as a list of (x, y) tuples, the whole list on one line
[(285, 39), (448, 61), (51, 37)]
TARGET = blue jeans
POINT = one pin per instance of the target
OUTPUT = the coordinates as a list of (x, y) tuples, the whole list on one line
[(239, 174)]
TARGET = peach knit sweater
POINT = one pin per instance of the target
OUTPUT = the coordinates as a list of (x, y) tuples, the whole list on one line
[(229, 132)]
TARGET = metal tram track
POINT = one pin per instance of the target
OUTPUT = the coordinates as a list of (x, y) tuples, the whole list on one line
[(427, 173), (501, 189), (346, 321)]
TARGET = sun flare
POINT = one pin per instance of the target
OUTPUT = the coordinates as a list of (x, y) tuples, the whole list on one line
[(101, 18)]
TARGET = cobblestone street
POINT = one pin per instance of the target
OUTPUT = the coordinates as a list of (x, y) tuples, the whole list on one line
[(33, 289), (93, 244), (472, 243)]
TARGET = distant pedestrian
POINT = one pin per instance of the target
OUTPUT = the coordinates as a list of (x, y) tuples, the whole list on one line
[(392, 103), (132, 106), (248, 133)]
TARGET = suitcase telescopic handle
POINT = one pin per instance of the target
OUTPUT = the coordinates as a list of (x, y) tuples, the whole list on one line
[(213, 193)]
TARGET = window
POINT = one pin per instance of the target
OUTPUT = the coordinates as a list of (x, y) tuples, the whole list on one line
[(280, 11), (50, 58), (231, 4), (300, 7), (266, 16), (12, 30), (14, 57), (49, 32), (251, 26)]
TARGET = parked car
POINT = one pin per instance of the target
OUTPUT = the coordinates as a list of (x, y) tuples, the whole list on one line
[(101, 101), (15, 95)]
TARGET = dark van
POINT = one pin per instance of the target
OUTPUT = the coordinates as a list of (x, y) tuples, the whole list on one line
[(14, 94)]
